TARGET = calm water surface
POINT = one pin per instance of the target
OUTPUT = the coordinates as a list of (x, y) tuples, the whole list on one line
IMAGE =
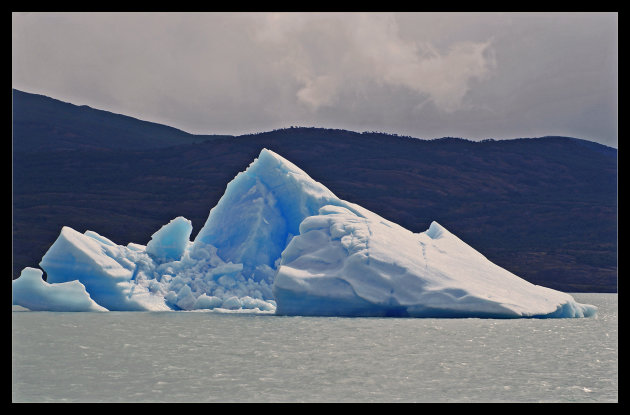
[(209, 357)]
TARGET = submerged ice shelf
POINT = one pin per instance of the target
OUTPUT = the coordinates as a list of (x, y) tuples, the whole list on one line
[(280, 242)]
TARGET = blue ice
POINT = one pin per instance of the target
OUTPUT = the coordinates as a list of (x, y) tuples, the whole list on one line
[(280, 242)]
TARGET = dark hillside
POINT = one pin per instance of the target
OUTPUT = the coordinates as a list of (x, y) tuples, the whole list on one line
[(543, 208), (45, 124)]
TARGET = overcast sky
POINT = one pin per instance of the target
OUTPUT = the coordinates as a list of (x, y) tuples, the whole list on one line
[(427, 75)]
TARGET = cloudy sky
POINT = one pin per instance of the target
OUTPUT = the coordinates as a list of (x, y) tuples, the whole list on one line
[(427, 75)]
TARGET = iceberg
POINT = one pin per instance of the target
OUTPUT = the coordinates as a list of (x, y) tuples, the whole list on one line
[(279, 242), (343, 264), (170, 242), (32, 292), (113, 275)]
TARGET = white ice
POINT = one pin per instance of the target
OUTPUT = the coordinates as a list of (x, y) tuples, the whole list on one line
[(32, 292), (351, 265), (280, 242)]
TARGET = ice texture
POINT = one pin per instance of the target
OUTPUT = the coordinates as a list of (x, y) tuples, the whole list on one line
[(32, 292), (261, 210), (343, 264), (280, 242), (170, 242), (112, 274)]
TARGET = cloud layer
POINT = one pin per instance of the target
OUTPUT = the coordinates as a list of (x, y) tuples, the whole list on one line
[(330, 52), (474, 75)]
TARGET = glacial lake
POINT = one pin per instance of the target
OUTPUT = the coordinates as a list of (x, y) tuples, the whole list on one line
[(214, 357)]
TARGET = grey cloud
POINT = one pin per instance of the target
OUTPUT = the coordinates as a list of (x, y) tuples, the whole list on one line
[(368, 48), (474, 75)]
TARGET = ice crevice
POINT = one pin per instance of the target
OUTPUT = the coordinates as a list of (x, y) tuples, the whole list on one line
[(279, 242)]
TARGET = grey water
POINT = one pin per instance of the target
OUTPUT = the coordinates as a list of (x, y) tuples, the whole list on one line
[(210, 357)]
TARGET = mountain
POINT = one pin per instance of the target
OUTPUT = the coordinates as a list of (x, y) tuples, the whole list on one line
[(543, 208), (45, 124)]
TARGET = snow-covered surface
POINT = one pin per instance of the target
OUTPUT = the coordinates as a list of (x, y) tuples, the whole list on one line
[(280, 242)]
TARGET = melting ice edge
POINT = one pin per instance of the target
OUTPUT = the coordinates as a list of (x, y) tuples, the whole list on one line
[(278, 242)]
